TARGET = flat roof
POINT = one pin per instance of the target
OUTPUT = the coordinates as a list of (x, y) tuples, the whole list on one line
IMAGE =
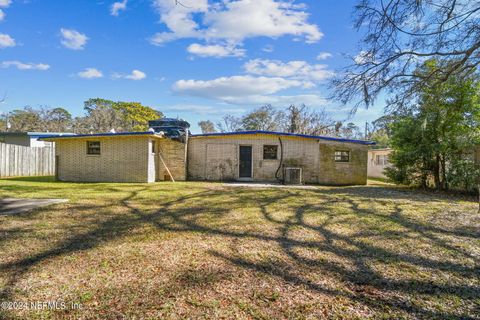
[(36, 134), (283, 134), (99, 135)]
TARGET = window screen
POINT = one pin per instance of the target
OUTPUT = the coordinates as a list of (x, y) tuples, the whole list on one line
[(270, 152), (342, 156), (93, 147)]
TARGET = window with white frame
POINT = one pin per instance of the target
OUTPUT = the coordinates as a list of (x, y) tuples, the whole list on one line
[(381, 160)]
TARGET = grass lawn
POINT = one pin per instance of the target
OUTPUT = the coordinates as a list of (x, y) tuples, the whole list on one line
[(204, 250)]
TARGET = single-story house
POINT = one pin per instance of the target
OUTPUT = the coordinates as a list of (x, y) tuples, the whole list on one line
[(29, 139), (244, 156), (261, 155), (378, 160)]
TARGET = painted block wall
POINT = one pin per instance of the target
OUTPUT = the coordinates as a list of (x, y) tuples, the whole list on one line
[(353, 172), (216, 158), (374, 169), (173, 154), (122, 159)]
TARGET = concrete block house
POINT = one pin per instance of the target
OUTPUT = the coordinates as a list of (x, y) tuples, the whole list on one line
[(258, 155), (234, 156)]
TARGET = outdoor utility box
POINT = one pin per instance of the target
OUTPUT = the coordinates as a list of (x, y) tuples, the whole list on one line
[(292, 175)]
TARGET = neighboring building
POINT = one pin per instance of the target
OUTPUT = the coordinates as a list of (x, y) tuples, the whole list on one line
[(251, 156), (29, 139), (378, 160)]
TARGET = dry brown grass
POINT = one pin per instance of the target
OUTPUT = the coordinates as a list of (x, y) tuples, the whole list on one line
[(203, 250)]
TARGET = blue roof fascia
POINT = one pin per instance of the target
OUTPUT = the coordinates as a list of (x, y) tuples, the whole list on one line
[(285, 134), (48, 134)]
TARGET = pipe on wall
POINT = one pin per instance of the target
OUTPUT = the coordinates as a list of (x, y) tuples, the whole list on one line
[(281, 160)]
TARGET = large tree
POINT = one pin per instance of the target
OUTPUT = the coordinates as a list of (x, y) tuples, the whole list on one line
[(229, 123), (57, 120), (436, 138), (207, 126), (26, 119), (399, 36), (265, 118), (300, 119), (104, 115), (294, 119)]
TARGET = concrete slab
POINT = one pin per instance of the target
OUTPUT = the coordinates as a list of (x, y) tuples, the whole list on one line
[(267, 185), (9, 206)]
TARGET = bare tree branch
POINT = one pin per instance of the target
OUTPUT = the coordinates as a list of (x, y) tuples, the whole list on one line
[(399, 36), (178, 3)]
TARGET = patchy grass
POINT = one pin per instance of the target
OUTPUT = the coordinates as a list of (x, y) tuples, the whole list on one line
[(203, 250)]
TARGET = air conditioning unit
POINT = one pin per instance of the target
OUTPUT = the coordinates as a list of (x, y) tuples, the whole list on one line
[(292, 175)]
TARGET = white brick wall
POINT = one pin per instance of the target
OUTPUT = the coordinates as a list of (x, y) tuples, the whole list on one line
[(122, 159)]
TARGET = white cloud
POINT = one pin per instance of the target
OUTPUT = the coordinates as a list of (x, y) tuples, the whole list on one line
[(6, 41), (135, 75), (5, 3), (202, 109), (73, 39), (363, 57), (264, 81), (178, 19), (217, 51), (90, 73), (300, 70), (117, 7), (233, 21), (324, 55), (25, 66), (234, 89)]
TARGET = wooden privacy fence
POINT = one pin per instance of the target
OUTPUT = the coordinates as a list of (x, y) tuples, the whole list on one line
[(17, 161)]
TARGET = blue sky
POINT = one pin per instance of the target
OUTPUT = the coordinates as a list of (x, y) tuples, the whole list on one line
[(197, 61)]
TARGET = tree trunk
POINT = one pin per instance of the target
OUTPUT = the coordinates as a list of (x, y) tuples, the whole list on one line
[(424, 174), (436, 172), (444, 173)]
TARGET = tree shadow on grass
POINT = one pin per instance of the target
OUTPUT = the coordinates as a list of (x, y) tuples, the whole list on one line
[(361, 256), (362, 283)]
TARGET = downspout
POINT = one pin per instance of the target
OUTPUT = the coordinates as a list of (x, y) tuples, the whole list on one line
[(281, 160)]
